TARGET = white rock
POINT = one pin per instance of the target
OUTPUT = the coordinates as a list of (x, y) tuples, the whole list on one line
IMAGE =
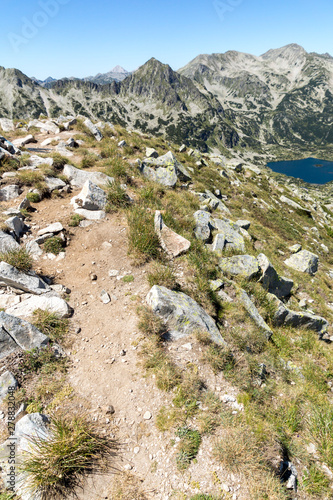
[(54, 228), (54, 305)]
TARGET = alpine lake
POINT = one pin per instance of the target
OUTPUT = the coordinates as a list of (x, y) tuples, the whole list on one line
[(310, 170)]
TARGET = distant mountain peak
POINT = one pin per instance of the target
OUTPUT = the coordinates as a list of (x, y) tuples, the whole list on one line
[(119, 69)]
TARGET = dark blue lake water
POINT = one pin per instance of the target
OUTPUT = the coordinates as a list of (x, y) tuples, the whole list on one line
[(310, 170)]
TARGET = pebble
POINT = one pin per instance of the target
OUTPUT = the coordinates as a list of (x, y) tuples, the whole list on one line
[(147, 415)]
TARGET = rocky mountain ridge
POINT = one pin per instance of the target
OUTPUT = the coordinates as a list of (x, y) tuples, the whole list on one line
[(277, 103)]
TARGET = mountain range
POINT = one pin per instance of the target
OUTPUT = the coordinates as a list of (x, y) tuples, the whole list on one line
[(280, 101)]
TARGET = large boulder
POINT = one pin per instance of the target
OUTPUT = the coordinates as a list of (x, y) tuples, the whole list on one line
[(181, 314), (54, 228), (93, 129), (16, 332), (30, 283), (54, 305), (47, 126), (285, 316), (10, 192), (254, 313), (172, 243), (230, 233), (240, 265), (203, 226), (7, 242), (304, 261), (165, 170), (91, 197), (23, 141), (78, 177), (271, 281), (16, 225), (54, 183)]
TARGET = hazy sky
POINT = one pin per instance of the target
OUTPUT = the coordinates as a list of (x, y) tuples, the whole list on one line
[(84, 37)]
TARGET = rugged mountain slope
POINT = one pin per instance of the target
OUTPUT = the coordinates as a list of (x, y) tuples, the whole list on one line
[(278, 103), (282, 97)]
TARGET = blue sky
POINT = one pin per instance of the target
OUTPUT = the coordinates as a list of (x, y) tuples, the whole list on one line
[(84, 37)]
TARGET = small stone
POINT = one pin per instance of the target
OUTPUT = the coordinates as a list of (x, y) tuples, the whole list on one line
[(147, 415), (136, 450), (105, 297), (93, 277), (110, 410)]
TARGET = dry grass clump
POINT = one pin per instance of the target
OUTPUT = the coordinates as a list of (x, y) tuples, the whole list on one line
[(50, 324), (163, 275), (19, 258), (56, 466), (127, 487)]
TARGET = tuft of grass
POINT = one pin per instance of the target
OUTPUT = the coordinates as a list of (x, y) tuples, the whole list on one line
[(149, 323), (75, 220), (163, 275), (56, 466), (41, 361), (144, 243), (50, 324), (167, 374), (116, 197), (19, 258), (127, 487), (188, 447), (129, 278), (33, 197), (54, 245), (315, 482), (320, 424), (59, 161)]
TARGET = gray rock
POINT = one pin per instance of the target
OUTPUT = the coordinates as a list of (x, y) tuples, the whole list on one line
[(54, 228), (10, 192), (219, 243), (27, 282), (93, 129), (47, 126), (17, 225), (54, 183), (54, 305), (271, 281), (6, 124), (166, 176), (240, 265), (182, 314), (254, 313), (8, 383), (165, 169), (41, 239), (295, 248), (24, 205), (231, 234), (182, 148), (245, 224), (21, 332), (122, 144), (151, 153), (203, 226), (78, 177), (36, 160), (172, 243), (216, 284), (34, 249), (28, 428), (91, 197), (90, 215), (295, 205), (23, 141), (285, 316), (71, 143), (218, 203), (304, 261), (7, 242), (105, 297)]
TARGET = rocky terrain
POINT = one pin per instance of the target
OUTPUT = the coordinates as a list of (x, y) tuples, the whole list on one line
[(166, 318)]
